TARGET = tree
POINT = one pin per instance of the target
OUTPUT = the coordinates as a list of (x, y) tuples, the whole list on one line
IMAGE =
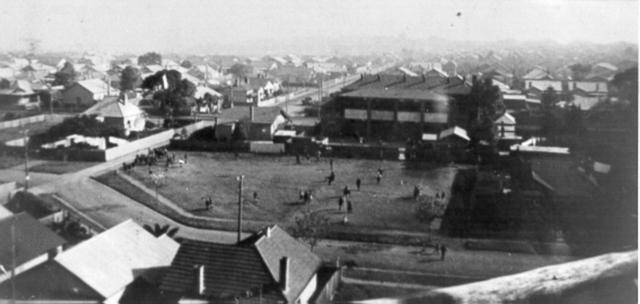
[(150, 58), (428, 210), (4, 84), (158, 230), (310, 227), (579, 71), (130, 78), (175, 96), (548, 99), (66, 76), (240, 70), (485, 102), (186, 64)]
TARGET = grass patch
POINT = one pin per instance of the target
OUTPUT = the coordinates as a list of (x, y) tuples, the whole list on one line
[(60, 167), (9, 161), (278, 180), (115, 181)]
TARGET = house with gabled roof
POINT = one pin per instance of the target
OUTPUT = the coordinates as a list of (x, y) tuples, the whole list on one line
[(34, 244), (120, 113), (19, 95), (86, 93), (267, 267), (100, 269)]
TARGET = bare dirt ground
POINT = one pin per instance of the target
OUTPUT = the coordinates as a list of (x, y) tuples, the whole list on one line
[(279, 180)]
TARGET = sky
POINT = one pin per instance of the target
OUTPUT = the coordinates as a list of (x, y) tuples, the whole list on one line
[(161, 25)]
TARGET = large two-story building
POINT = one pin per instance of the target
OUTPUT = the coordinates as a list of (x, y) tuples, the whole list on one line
[(383, 106)]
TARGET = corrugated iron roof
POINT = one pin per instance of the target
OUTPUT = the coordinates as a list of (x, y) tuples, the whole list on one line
[(113, 259)]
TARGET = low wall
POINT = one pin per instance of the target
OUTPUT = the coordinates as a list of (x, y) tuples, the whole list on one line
[(31, 119), (21, 121), (140, 145), (266, 147)]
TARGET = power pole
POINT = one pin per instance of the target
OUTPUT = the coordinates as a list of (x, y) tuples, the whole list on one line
[(13, 259), (26, 159), (320, 104), (240, 179)]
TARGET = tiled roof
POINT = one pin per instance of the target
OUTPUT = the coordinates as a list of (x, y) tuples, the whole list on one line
[(32, 239), (113, 259), (425, 84), (232, 270), (394, 93), (537, 74), (229, 270)]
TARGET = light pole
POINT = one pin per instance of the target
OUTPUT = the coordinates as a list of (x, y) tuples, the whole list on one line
[(26, 159), (240, 179)]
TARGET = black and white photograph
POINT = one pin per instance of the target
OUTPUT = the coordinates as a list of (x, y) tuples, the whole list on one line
[(319, 151)]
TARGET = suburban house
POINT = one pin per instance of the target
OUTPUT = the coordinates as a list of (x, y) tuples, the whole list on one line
[(506, 125), (19, 95), (43, 209), (120, 113), (257, 123), (100, 269), (34, 244), (587, 94), (253, 90), (86, 93), (267, 267), (514, 102)]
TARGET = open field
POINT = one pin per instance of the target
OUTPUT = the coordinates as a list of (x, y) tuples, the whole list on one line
[(279, 180)]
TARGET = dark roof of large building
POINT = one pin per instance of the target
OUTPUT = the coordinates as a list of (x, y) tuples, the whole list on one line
[(34, 205), (234, 270), (416, 85), (32, 239)]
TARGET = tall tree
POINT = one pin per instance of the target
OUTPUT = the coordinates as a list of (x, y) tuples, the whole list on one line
[(130, 78), (428, 210), (549, 98), (150, 58), (186, 64), (579, 71), (485, 102), (173, 92), (66, 76), (240, 70)]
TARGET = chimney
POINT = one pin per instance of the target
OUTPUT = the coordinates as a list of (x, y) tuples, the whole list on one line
[(284, 274), (251, 114), (246, 80), (268, 232), (198, 279)]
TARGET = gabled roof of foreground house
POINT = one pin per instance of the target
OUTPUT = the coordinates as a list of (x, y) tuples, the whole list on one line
[(114, 107), (113, 259), (249, 266), (32, 239)]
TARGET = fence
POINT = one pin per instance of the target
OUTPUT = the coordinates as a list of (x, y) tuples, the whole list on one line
[(151, 142), (328, 281), (29, 120), (266, 147)]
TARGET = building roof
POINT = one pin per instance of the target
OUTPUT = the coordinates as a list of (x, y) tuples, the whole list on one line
[(260, 114), (95, 86), (455, 131), (429, 136), (32, 239), (394, 93), (4, 213), (590, 86), (34, 205), (114, 107), (113, 259), (537, 73), (436, 84), (561, 176), (506, 118), (231, 270)]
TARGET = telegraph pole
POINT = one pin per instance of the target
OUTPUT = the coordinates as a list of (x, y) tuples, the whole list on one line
[(240, 179), (320, 104), (13, 259), (26, 159)]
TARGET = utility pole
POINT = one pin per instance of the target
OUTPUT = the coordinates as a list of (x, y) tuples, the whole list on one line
[(13, 259), (320, 104), (240, 179), (26, 159)]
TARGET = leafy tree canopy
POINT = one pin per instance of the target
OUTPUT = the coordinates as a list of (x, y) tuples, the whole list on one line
[(150, 58), (130, 78), (66, 76)]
